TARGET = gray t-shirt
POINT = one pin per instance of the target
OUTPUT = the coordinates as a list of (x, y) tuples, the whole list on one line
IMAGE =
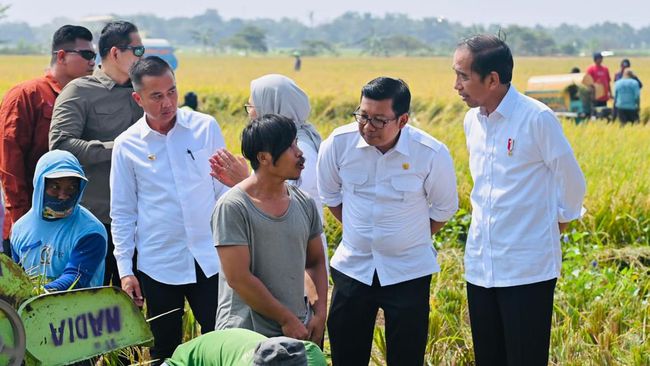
[(278, 250)]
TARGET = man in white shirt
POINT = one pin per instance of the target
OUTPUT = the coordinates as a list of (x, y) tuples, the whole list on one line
[(527, 187), (392, 186), (162, 196)]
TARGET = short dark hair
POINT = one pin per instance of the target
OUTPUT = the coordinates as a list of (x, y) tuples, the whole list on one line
[(67, 35), (115, 34), (148, 66), (383, 88), (490, 53), (270, 133), (191, 100)]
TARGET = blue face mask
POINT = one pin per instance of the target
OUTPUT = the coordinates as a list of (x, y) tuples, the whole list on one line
[(54, 208)]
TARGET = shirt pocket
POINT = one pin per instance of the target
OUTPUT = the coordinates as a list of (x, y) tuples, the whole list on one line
[(107, 118), (405, 187), (352, 181), (198, 163)]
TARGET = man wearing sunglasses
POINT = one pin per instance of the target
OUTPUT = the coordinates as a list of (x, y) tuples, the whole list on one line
[(92, 111), (392, 186), (25, 115)]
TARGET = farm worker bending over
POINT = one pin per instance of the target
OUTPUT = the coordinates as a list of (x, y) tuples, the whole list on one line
[(242, 347), (527, 187), (268, 235), (58, 238), (162, 196), (25, 116), (392, 186), (92, 111)]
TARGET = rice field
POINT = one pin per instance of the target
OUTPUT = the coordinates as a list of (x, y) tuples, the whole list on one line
[(601, 307)]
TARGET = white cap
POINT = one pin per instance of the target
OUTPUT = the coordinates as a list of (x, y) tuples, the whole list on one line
[(65, 173)]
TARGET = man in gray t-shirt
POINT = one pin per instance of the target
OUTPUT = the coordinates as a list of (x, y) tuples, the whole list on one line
[(267, 234)]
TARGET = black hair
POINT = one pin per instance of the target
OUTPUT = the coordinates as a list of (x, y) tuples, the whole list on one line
[(115, 34), (270, 133), (191, 100), (67, 35), (383, 88), (575, 70), (490, 53), (148, 66)]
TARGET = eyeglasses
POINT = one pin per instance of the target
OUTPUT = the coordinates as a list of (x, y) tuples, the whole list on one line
[(86, 54), (377, 123), (248, 108), (138, 51)]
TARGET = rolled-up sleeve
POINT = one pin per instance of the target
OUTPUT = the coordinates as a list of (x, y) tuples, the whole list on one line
[(440, 187), (124, 212), (327, 170), (68, 122), (559, 158)]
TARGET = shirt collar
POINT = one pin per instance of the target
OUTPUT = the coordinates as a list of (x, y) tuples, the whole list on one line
[(106, 80), (181, 120), (402, 145), (51, 81), (507, 104)]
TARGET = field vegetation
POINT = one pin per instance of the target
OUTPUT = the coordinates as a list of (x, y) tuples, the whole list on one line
[(601, 312)]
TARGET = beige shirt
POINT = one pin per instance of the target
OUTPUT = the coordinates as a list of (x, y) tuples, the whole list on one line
[(88, 115)]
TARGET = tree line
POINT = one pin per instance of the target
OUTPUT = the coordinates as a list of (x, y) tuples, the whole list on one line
[(388, 35)]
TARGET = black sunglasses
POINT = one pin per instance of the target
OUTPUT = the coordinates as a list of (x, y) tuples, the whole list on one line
[(86, 54), (138, 51)]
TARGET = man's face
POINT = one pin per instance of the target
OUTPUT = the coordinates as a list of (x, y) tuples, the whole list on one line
[(158, 97), (125, 57), (290, 163), (469, 85), (62, 188), (74, 64), (381, 138), (598, 60)]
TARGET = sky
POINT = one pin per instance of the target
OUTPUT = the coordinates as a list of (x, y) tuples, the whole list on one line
[(504, 12)]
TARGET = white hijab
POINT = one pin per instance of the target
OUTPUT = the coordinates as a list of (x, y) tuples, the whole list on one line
[(277, 94)]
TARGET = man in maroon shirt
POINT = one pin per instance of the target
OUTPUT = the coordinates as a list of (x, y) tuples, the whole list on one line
[(600, 75), (25, 115)]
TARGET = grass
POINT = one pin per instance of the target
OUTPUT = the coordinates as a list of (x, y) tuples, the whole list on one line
[(601, 301)]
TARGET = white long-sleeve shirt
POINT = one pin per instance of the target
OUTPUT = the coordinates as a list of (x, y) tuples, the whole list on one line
[(526, 180), (388, 201), (162, 197)]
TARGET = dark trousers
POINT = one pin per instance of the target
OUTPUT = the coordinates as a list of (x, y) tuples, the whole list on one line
[(6, 247), (161, 298), (511, 325), (111, 275), (353, 311), (628, 115)]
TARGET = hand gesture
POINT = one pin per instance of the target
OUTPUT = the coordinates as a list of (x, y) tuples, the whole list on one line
[(227, 168)]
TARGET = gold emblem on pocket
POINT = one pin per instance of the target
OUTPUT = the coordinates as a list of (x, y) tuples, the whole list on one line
[(405, 166), (151, 157)]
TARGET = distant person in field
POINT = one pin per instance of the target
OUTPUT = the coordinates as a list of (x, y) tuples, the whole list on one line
[(58, 238), (527, 187), (25, 115), (627, 97), (392, 186), (190, 102), (162, 197), (625, 64), (92, 111), (268, 235), (600, 76), (297, 64)]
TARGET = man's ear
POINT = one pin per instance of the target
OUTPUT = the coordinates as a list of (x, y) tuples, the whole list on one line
[(137, 98), (495, 80), (60, 57), (402, 120), (264, 158)]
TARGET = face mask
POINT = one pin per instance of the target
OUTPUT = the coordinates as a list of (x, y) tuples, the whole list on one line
[(54, 208)]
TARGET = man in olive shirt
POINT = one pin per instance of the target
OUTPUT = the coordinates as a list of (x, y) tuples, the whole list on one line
[(92, 111)]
